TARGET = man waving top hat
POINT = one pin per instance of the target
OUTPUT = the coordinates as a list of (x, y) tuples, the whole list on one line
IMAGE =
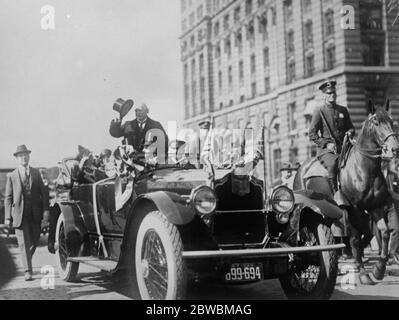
[(330, 123), (26, 200)]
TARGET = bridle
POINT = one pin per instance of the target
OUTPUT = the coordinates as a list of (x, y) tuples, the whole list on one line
[(373, 153)]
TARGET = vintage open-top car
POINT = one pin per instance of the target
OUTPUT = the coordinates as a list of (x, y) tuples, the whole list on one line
[(163, 226)]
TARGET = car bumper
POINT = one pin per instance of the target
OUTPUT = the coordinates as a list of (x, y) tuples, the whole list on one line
[(265, 253)]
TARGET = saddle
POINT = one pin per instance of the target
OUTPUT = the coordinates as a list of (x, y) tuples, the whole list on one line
[(314, 168)]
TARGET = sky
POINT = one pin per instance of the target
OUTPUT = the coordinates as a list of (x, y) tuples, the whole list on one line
[(57, 87)]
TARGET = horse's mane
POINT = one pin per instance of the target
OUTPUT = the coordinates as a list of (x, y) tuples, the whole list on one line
[(382, 117)]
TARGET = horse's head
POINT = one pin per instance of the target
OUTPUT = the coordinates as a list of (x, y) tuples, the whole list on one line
[(381, 127)]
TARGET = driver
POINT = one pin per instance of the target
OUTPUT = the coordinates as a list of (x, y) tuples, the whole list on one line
[(327, 130)]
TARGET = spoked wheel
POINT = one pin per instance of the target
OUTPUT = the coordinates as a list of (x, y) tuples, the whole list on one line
[(312, 276), (159, 265), (67, 270)]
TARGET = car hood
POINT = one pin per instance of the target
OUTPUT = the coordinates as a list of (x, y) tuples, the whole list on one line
[(180, 181)]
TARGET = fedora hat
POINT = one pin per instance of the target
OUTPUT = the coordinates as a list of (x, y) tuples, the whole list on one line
[(21, 149), (123, 106)]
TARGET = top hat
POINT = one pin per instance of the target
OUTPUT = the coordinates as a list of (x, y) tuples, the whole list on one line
[(21, 149), (123, 106), (328, 87)]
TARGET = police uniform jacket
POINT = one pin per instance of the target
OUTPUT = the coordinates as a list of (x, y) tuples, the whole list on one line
[(339, 122)]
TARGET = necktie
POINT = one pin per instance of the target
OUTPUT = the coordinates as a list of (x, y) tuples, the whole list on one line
[(142, 124), (27, 182)]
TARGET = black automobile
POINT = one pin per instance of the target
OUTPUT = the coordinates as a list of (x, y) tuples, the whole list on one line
[(163, 226)]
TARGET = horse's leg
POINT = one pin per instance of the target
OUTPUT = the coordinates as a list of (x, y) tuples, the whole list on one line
[(380, 266)]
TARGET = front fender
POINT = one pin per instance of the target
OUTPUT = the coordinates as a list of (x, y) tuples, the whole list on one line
[(75, 229), (172, 205), (318, 203)]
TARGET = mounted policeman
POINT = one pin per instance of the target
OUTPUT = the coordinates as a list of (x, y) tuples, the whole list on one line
[(328, 128)]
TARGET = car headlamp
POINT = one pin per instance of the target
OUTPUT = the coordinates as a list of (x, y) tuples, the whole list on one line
[(204, 200), (283, 202)]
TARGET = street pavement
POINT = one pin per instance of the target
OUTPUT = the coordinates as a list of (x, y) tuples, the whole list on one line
[(94, 285)]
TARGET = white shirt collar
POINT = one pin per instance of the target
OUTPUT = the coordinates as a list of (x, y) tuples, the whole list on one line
[(22, 170), (142, 122)]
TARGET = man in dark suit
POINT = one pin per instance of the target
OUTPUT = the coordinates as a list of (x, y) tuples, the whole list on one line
[(26, 200), (328, 128), (140, 131), (392, 210)]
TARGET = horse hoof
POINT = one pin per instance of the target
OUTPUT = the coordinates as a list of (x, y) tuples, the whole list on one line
[(366, 280), (379, 270)]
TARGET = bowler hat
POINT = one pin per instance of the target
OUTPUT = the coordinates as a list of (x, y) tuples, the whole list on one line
[(21, 149), (328, 86)]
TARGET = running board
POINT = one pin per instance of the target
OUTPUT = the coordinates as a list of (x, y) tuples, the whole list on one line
[(265, 253), (102, 264)]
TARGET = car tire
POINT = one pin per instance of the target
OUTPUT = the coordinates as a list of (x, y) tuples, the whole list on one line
[(328, 270), (67, 270), (161, 276)]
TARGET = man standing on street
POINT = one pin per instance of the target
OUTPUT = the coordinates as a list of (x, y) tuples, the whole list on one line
[(26, 200), (328, 128), (391, 210), (137, 131)]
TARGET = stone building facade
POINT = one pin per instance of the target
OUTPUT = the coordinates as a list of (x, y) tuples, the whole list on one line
[(248, 62)]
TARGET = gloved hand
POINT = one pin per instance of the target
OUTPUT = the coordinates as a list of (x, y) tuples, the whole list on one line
[(332, 147)]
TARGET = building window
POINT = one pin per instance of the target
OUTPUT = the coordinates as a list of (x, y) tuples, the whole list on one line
[(192, 41), (329, 23), (290, 43), (187, 99), (201, 64), (241, 72), (288, 11), (308, 37), (239, 42), (200, 12), (226, 22), (266, 59), (237, 14), (330, 57), (261, 3), (307, 6), (227, 47), (202, 94), (273, 15), (309, 65), (263, 26), (251, 34), (291, 73), (230, 78), (217, 29), (292, 116), (276, 164), (372, 34), (253, 89), (248, 7), (242, 99), (217, 51), (220, 81), (370, 15), (253, 64), (267, 85)]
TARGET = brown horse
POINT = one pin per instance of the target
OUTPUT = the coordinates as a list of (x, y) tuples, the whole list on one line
[(363, 185)]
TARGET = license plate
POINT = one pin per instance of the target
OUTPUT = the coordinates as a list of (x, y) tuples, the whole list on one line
[(244, 272)]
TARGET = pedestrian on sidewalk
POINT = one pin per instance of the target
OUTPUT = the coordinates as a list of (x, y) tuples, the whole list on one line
[(26, 200)]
